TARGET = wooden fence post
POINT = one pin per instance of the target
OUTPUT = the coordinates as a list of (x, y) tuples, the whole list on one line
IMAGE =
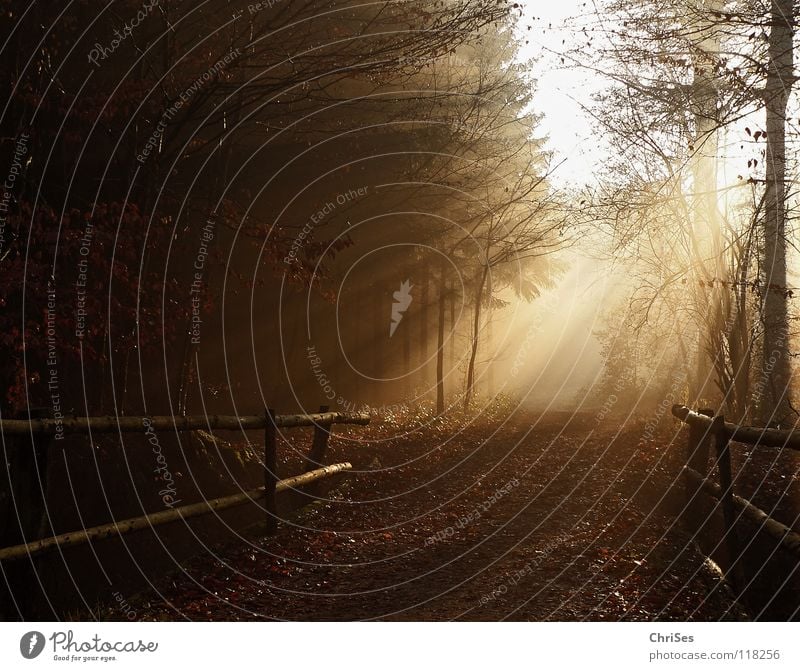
[(731, 537), (318, 445), (699, 440), (697, 459), (23, 515), (25, 483), (270, 471)]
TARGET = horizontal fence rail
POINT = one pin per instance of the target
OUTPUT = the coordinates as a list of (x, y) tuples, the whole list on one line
[(164, 517), (706, 429), (750, 435), (44, 429), (789, 539), (112, 424)]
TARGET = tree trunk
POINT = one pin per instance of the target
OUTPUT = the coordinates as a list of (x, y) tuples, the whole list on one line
[(488, 339), (423, 328), (440, 342), (474, 345), (774, 405), (452, 298), (378, 340), (407, 361), (357, 355), (707, 248), (739, 341)]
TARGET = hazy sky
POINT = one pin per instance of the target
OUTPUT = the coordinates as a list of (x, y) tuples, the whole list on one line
[(562, 90)]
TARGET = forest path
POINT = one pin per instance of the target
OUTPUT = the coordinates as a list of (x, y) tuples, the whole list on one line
[(554, 517)]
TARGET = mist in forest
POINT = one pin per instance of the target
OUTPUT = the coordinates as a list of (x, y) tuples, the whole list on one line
[(530, 205), (486, 234)]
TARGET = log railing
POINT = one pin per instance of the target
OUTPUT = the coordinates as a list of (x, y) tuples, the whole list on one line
[(706, 429), (41, 429), (110, 424)]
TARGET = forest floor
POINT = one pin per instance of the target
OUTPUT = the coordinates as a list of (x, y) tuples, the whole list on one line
[(543, 518)]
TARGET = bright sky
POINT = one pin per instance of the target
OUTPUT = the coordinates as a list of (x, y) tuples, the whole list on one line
[(562, 90)]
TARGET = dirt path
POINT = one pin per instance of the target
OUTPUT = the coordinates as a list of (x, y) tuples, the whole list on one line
[(547, 519)]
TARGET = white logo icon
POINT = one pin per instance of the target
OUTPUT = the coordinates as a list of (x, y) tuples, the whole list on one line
[(31, 644), (402, 299)]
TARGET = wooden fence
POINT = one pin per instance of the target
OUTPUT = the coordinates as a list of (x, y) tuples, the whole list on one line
[(40, 430), (705, 429)]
